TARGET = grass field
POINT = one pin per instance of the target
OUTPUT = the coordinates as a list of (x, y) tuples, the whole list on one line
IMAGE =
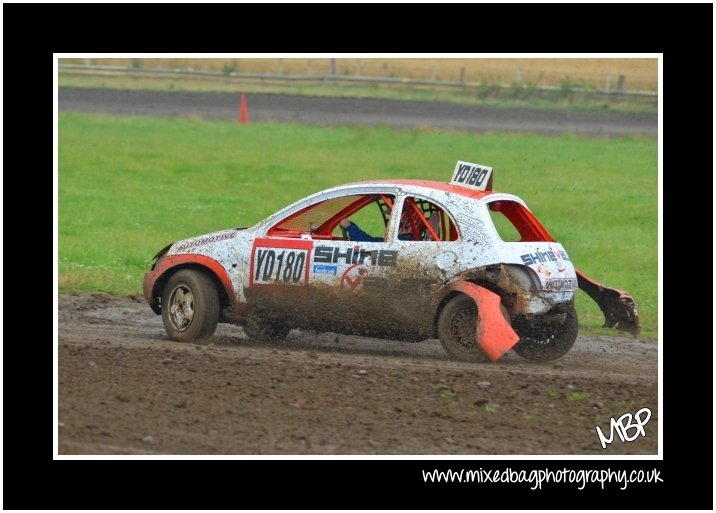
[(128, 186)]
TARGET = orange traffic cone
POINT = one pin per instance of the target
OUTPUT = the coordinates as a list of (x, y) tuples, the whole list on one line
[(243, 110)]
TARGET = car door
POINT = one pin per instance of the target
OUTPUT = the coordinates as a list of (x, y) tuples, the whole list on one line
[(304, 271), (346, 287)]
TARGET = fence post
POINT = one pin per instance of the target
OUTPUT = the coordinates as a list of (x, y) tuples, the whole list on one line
[(333, 66), (608, 83), (279, 66), (620, 84), (462, 74)]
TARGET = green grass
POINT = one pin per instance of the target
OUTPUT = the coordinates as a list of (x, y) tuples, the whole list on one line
[(129, 185), (577, 396)]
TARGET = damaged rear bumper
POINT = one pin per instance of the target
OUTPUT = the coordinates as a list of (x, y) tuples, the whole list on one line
[(617, 306)]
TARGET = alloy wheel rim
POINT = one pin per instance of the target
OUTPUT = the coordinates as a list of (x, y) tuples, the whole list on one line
[(181, 307)]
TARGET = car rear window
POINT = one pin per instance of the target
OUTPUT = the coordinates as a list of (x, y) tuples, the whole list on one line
[(515, 223)]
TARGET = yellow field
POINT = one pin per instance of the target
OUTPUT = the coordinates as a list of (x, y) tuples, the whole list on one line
[(639, 73)]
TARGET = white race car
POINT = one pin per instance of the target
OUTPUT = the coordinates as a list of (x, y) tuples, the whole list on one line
[(455, 261)]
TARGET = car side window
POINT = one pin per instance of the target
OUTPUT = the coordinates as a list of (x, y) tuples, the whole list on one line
[(370, 221), (423, 220)]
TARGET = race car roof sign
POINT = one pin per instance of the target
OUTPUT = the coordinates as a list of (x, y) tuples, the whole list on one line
[(474, 176)]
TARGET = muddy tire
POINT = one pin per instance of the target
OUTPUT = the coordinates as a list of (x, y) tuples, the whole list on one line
[(544, 342), (190, 306), (260, 328), (456, 330)]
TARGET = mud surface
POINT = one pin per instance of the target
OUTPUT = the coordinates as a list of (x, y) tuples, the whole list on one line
[(355, 111), (124, 388)]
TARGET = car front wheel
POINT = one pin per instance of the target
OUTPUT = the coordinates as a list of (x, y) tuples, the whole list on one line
[(190, 306)]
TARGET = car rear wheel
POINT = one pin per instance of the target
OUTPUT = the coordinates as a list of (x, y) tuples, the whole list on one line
[(544, 340), (457, 329), (190, 306)]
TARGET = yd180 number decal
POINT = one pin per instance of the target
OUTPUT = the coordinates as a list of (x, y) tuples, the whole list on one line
[(279, 265)]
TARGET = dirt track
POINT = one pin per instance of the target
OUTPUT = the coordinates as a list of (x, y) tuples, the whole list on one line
[(356, 111), (124, 388)]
